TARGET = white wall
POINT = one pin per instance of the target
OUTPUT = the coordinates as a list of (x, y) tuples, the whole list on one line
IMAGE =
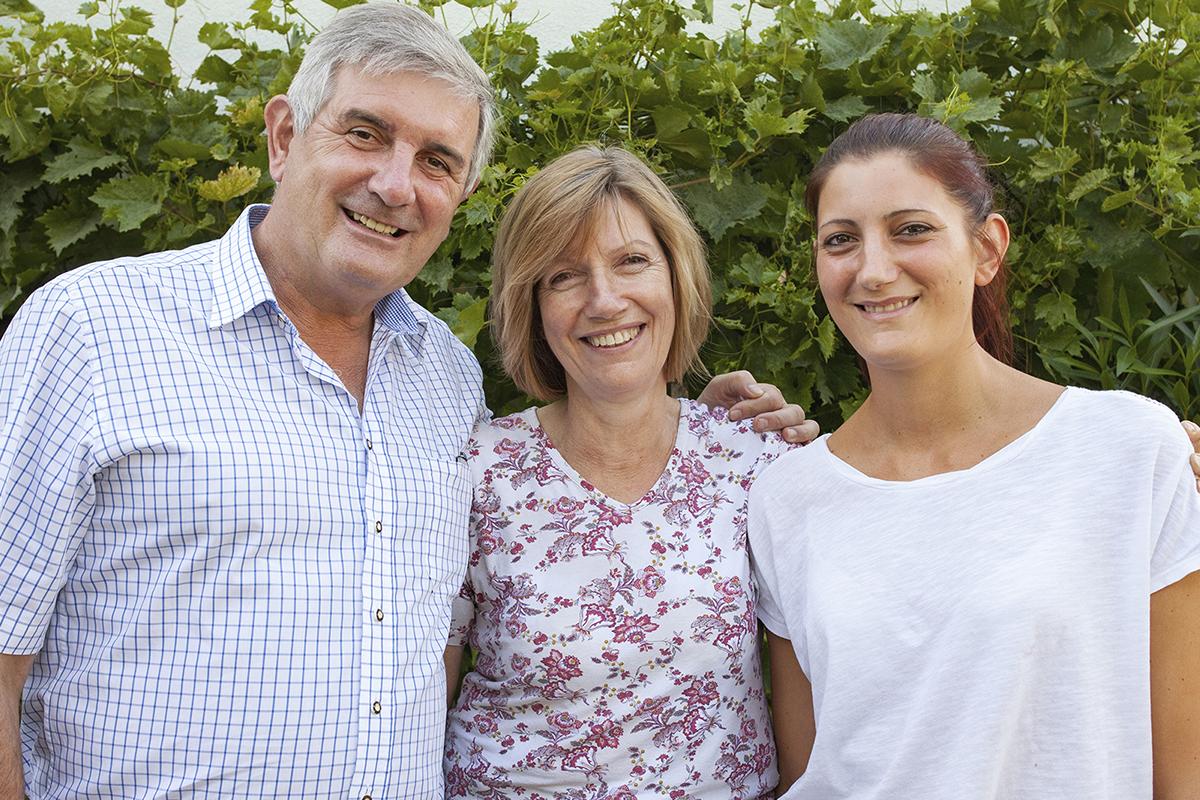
[(553, 21)]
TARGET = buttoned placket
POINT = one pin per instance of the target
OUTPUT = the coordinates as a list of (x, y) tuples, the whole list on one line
[(375, 729)]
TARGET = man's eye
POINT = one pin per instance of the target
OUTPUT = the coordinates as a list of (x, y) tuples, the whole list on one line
[(362, 135), (437, 164)]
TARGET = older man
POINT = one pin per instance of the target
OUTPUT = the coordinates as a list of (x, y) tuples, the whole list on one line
[(231, 511)]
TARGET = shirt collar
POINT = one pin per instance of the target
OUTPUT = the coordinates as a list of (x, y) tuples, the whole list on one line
[(240, 285)]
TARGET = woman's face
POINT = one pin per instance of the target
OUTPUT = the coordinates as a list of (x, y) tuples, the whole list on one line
[(607, 308), (898, 263)]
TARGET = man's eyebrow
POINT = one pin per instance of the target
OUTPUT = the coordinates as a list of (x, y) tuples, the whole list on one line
[(449, 153), (359, 115), (351, 115)]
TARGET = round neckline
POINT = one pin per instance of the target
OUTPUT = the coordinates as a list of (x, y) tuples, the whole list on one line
[(997, 459), (543, 438)]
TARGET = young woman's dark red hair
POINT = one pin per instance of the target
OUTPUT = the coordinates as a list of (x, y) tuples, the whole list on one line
[(942, 154)]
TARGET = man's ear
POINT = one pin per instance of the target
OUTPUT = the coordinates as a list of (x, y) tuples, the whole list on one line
[(993, 244), (281, 131)]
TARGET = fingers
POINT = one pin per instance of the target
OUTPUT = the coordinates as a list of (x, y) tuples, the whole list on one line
[(759, 399), (790, 423), (1193, 432), (802, 433), (727, 389)]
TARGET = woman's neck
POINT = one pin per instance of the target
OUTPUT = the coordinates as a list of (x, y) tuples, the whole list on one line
[(942, 416), (619, 447)]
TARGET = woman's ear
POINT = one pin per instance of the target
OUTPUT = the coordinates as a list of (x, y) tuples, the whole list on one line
[(993, 241)]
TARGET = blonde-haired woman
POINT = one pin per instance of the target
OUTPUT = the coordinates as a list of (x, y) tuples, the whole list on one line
[(609, 598)]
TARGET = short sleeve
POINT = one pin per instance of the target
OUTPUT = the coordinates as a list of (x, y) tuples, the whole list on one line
[(47, 415), (761, 527), (462, 615), (1176, 549)]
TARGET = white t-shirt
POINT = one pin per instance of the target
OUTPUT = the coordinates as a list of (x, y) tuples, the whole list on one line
[(982, 633)]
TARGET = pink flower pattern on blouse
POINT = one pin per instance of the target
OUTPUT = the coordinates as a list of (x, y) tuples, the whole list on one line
[(616, 644)]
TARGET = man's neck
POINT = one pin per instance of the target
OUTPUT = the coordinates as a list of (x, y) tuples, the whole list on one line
[(341, 337)]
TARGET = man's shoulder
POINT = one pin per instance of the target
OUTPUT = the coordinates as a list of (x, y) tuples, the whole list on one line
[(440, 340), (128, 280)]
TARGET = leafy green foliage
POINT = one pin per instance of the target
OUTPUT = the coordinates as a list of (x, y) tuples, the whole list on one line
[(1088, 110)]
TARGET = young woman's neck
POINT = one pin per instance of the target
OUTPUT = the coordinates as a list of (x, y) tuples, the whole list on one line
[(938, 399), (941, 417)]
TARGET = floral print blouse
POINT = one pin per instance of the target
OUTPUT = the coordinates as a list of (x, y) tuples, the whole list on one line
[(616, 644)]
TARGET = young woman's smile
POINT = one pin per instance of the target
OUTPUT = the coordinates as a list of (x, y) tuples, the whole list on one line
[(897, 261)]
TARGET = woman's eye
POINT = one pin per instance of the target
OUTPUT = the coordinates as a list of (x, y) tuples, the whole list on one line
[(559, 279), (915, 229), (635, 261), (837, 240)]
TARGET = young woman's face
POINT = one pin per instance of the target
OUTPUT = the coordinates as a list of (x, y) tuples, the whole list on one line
[(897, 262)]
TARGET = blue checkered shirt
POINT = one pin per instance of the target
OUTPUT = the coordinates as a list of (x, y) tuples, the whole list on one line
[(237, 585)]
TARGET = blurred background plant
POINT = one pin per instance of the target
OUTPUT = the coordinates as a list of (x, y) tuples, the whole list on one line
[(1088, 110)]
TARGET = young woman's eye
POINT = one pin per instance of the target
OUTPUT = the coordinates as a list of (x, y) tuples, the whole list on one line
[(837, 240), (915, 229)]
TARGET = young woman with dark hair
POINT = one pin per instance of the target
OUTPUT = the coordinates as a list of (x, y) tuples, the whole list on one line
[(983, 584)]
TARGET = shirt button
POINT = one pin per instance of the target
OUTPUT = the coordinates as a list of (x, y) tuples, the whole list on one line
[(366, 797), (377, 706), (369, 445), (379, 526), (379, 614)]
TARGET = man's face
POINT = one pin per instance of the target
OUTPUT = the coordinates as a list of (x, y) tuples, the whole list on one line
[(368, 191)]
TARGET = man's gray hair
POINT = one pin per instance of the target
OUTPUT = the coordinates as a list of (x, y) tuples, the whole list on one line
[(383, 38)]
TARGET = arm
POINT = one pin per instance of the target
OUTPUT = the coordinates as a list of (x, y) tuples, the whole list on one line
[(452, 658), (1175, 689), (791, 711), (13, 671), (738, 392)]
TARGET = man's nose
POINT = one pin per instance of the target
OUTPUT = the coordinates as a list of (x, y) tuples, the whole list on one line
[(392, 180)]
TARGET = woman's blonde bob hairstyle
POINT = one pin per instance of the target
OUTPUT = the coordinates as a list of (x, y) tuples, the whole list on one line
[(557, 212)]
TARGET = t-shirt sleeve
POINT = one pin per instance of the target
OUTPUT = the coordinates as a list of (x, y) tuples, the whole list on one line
[(1176, 548), (47, 423), (462, 607), (462, 615), (761, 531)]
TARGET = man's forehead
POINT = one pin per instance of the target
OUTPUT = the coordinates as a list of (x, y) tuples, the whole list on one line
[(359, 92)]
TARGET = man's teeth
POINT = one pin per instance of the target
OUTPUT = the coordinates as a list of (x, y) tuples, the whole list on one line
[(378, 227), (613, 339), (870, 309)]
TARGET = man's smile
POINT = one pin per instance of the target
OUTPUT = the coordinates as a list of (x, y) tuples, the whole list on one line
[(374, 224)]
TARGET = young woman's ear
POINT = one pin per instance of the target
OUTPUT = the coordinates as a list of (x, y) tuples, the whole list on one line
[(992, 245)]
